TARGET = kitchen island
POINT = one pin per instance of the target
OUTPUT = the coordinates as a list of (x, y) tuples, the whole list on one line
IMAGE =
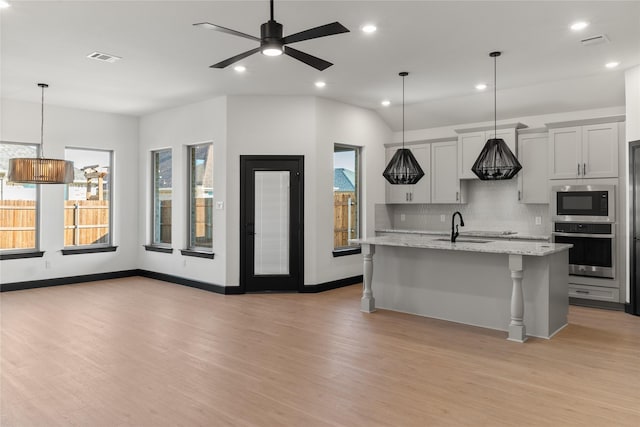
[(519, 287)]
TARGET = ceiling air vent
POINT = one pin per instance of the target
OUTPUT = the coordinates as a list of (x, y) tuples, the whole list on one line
[(590, 41), (99, 56)]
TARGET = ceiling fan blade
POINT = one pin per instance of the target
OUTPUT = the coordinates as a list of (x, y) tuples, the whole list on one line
[(313, 33), (317, 63), (229, 61), (211, 26)]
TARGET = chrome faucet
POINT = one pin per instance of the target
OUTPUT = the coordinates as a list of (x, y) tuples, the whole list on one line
[(454, 233)]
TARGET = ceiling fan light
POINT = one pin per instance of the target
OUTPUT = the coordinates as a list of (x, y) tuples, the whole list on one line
[(272, 49)]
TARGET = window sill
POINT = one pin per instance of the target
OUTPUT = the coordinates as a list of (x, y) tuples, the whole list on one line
[(197, 254), (89, 250), (345, 252), (21, 255), (162, 249)]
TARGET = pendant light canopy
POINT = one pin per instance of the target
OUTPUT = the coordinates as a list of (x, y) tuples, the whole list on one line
[(40, 170), (403, 168), (496, 161)]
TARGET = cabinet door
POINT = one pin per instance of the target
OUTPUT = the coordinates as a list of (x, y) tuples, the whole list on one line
[(508, 135), (445, 184), (565, 153), (417, 193), (600, 151), (532, 179), (469, 147)]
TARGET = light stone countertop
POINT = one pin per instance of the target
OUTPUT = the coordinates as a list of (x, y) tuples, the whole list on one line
[(472, 233), (493, 246)]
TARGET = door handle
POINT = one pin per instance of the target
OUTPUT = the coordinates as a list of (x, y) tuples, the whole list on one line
[(250, 229)]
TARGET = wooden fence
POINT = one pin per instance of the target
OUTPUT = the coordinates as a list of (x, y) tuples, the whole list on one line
[(86, 222), (345, 216), (204, 227), (17, 224)]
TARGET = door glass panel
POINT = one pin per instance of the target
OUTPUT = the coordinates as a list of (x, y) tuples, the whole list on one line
[(271, 249)]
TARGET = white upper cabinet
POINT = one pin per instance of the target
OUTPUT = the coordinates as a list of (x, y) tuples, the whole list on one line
[(532, 178), (470, 145), (416, 193), (589, 151), (445, 185)]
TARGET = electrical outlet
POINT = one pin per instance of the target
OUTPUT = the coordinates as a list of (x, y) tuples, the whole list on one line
[(219, 206), (442, 218), (402, 217), (538, 220)]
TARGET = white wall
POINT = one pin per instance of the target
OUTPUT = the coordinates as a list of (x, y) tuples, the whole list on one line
[(65, 127), (345, 124), (178, 128)]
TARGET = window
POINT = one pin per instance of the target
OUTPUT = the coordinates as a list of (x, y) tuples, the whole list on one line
[(18, 204), (161, 210), (87, 206), (201, 197), (346, 196)]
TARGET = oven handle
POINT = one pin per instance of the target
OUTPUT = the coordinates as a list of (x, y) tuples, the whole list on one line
[(597, 236)]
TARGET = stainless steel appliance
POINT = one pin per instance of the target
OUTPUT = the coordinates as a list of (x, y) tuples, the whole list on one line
[(583, 203), (594, 247)]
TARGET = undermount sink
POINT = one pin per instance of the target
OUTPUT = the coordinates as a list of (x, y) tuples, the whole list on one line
[(464, 240)]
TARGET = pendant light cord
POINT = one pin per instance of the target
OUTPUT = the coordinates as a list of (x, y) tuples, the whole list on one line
[(495, 97), (42, 123), (403, 112)]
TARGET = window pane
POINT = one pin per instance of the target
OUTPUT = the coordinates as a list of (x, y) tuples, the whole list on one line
[(271, 248), (201, 196), (161, 197), (346, 195), (88, 198), (18, 202)]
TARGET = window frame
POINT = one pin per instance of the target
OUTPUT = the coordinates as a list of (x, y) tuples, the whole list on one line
[(14, 253), (96, 247), (191, 248), (351, 249), (156, 244)]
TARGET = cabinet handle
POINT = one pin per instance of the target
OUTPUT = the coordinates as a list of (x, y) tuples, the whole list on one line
[(406, 197), (580, 291), (519, 195), (457, 196), (584, 169), (578, 169)]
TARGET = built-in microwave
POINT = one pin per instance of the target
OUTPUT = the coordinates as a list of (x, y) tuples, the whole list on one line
[(583, 203)]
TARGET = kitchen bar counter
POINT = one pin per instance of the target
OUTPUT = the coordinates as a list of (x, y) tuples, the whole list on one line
[(503, 235), (501, 285)]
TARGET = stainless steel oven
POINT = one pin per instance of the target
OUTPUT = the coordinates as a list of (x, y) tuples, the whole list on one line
[(583, 203), (594, 247)]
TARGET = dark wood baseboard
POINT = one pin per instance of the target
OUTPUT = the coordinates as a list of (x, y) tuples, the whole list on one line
[(335, 284), (211, 287), (19, 286)]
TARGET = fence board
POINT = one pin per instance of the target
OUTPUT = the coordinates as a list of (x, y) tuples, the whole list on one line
[(17, 224), (341, 232)]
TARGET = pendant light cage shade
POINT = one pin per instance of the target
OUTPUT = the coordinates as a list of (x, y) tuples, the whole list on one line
[(40, 171), (403, 168), (496, 161)]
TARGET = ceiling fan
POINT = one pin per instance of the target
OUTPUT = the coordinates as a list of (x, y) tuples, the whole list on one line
[(273, 44)]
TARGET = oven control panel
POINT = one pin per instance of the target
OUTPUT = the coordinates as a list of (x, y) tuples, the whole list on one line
[(582, 227)]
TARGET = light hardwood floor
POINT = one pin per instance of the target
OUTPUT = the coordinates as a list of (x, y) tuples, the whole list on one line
[(141, 352)]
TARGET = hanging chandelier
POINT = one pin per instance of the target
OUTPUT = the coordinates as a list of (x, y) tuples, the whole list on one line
[(40, 170), (403, 168), (496, 161)]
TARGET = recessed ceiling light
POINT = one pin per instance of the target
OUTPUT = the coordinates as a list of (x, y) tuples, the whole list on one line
[(240, 68), (386, 103), (369, 28), (580, 25), (320, 84), (612, 64), (4, 4), (481, 86)]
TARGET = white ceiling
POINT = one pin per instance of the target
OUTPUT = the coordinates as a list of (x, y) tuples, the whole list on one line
[(444, 45)]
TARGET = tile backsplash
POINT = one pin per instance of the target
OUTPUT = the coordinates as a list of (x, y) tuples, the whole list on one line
[(491, 206)]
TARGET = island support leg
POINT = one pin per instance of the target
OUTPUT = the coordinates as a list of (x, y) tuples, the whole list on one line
[(517, 330), (368, 302)]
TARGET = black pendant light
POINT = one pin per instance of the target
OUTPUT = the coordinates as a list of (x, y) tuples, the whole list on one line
[(40, 170), (496, 161), (403, 168)]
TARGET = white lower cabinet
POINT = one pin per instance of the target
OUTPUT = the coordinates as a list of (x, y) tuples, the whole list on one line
[(416, 193), (532, 178), (599, 293)]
